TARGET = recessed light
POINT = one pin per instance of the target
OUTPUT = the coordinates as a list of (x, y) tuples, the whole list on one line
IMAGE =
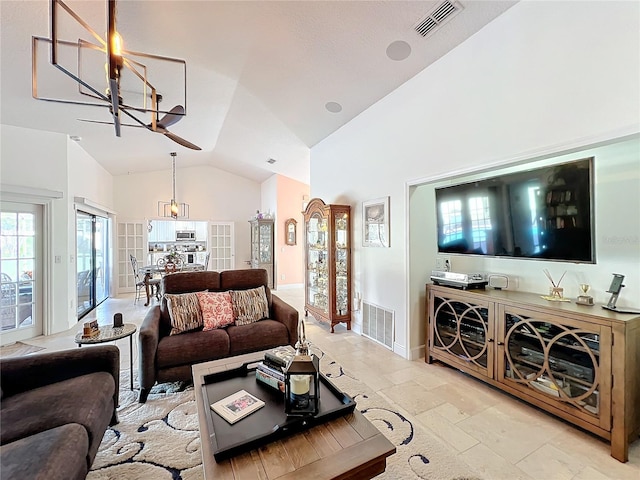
[(75, 138), (398, 50), (333, 107)]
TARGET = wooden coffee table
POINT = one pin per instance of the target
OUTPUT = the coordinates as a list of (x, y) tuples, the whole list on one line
[(349, 447)]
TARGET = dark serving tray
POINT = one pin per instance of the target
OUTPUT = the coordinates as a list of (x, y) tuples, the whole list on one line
[(269, 423)]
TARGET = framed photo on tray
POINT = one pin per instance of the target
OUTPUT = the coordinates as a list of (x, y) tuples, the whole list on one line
[(237, 406)]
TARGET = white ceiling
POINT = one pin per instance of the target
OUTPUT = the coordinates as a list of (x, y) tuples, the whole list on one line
[(259, 74)]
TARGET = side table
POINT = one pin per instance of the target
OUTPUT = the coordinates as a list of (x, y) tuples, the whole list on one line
[(109, 333)]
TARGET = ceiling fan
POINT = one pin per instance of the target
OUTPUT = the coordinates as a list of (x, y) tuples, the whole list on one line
[(118, 60), (174, 115)]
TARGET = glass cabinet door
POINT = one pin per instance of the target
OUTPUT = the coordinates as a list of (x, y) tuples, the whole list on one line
[(462, 330), (265, 242), (317, 268), (341, 224), (255, 244), (559, 361)]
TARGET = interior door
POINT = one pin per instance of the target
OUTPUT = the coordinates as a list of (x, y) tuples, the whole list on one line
[(221, 246), (20, 271)]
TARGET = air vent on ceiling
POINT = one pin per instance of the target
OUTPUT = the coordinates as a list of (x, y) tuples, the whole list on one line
[(437, 17)]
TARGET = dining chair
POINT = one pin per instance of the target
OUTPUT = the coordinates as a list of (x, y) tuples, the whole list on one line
[(154, 283), (206, 261)]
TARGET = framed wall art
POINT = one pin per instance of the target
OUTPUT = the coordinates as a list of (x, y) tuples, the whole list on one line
[(375, 223)]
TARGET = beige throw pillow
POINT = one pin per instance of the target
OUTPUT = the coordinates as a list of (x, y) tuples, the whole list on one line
[(249, 305), (184, 311)]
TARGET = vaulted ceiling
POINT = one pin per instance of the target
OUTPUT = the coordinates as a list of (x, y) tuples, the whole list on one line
[(260, 74)]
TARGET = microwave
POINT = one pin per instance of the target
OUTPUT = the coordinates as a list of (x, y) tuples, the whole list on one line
[(185, 235)]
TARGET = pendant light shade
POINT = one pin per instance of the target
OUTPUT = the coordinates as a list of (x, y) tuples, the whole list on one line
[(173, 209)]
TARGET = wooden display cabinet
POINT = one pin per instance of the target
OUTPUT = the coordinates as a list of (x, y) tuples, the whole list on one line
[(579, 363), (262, 246), (327, 234)]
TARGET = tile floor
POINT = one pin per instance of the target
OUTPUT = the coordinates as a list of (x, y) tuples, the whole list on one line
[(497, 435)]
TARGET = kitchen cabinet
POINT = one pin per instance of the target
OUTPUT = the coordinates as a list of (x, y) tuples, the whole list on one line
[(577, 362), (165, 230), (327, 233)]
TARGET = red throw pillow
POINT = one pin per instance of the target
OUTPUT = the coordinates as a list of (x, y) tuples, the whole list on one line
[(217, 310)]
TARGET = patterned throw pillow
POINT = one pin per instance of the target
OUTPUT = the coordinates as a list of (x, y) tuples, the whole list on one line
[(249, 305), (217, 311), (184, 311)]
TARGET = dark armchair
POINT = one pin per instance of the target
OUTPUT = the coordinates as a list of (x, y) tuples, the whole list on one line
[(57, 406)]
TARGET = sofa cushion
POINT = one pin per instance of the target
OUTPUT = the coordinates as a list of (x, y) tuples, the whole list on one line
[(184, 311), (217, 310), (192, 347), (249, 305), (243, 279), (256, 336), (55, 454), (86, 400), (186, 282)]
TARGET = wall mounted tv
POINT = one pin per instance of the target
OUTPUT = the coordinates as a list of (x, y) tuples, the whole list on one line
[(543, 213)]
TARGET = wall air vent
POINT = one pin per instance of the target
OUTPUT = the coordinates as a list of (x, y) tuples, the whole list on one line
[(378, 323), (437, 17)]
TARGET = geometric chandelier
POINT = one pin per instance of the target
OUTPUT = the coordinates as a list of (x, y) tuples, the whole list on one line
[(107, 75), (173, 209)]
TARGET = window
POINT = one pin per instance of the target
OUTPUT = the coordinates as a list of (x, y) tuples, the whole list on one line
[(480, 221), (451, 220)]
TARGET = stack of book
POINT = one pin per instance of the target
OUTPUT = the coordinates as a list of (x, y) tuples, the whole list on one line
[(271, 370)]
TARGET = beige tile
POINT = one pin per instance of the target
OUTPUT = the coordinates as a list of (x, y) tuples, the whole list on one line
[(373, 380), (549, 462), (468, 400), (446, 430), (403, 375), (452, 413), (492, 466), (596, 452), (590, 473), (511, 433), (412, 397)]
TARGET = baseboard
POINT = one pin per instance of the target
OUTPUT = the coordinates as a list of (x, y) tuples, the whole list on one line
[(289, 286), (417, 352), (399, 350)]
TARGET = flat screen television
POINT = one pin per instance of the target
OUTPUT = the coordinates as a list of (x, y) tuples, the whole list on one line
[(544, 213)]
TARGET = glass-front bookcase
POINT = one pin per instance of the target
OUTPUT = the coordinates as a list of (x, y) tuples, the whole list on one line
[(328, 262)]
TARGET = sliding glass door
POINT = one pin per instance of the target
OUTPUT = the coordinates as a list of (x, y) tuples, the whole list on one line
[(92, 260)]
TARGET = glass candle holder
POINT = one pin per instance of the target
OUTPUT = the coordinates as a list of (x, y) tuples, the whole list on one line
[(556, 292)]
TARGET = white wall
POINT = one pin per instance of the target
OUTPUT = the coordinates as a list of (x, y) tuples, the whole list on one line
[(212, 194), (530, 82), (87, 178), (44, 160)]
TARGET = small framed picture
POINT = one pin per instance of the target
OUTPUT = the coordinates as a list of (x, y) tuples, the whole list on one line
[(375, 223)]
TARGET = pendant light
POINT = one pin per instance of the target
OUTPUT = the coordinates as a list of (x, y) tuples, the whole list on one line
[(173, 209)]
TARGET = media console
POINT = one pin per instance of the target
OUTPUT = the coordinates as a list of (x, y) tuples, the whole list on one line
[(575, 362)]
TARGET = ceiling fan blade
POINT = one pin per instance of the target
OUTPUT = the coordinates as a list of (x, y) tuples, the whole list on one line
[(181, 141), (110, 123), (174, 115)]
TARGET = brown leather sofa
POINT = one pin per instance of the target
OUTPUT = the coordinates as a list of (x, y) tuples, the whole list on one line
[(55, 409), (168, 358)]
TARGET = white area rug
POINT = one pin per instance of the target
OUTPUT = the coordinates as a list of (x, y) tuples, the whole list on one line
[(159, 439)]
